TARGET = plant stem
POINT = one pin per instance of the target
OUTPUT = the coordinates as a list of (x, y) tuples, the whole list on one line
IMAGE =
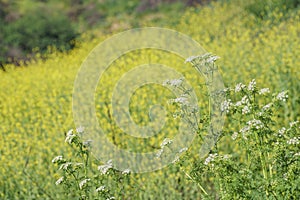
[(198, 184)]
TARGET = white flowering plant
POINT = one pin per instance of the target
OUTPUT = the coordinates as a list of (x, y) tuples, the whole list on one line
[(254, 157), (83, 177), (263, 160)]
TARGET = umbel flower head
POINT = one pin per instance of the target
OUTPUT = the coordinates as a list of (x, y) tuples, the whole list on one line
[(205, 58)]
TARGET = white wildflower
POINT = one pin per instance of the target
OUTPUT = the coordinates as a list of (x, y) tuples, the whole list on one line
[(83, 183), (226, 156), (252, 85), (174, 82), (70, 136), (234, 135), (183, 99), (297, 154), (255, 123), (282, 96), (80, 129), (56, 159), (294, 141), (70, 132), (126, 171), (159, 153), (282, 131), (226, 89), (110, 198), (225, 106), (245, 100), (285, 176), (292, 124), (101, 188), (65, 166), (165, 142), (210, 158), (104, 168), (246, 110), (239, 103), (59, 181), (264, 91), (183, 150), (212, 59), (191, 58), (268, 106), (245, 129), (239, 87), (176, 159), (208, 58)]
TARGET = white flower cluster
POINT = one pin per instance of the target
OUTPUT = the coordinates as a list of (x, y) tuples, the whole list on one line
[(292, 124), (174, 82), (293, 141), (264, 91), (80, 129), (267, 107), (255, 123), (226, 105), (243, 101), (212, 59), (56, 159), (282, 96), (244, 131), (297, 154), (60, 180), (126, 171), (282, 131), (234, 135), (65, 166), (246, 110), (159, 153), (176, 159), (83, 183), (183, 150), (239, 87), (70, 136), (207, 58), (164, 143), (183, 99), (252, 85), (191, 58), (101, 188), (210, 158), (104, 168)]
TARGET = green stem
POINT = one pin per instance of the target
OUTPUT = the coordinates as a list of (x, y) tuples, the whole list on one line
[(198, 184)]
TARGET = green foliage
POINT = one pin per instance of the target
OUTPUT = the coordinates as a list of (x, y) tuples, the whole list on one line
[(79, 176), (50, 28), (267, 164), (265, 9)]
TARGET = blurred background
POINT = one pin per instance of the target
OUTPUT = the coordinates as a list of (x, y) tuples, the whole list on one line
[(31, 26)]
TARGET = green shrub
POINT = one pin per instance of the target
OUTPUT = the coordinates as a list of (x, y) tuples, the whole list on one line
[(39, 28)]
